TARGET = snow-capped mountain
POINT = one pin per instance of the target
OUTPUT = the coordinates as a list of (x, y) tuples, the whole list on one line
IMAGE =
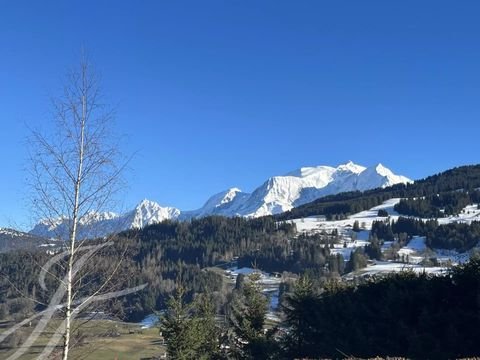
[(96, 224), (276, 195), (379, 176), (11, 239), (282, 193), (226, 203), (148, 213)]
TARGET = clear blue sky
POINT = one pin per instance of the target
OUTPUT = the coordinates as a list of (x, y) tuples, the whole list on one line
[(215, 94)]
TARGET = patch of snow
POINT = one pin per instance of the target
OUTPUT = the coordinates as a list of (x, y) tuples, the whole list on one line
[(415, 246), (451, 256), (384, 267), (416, 250), (373, 212), (365, 218), (149, 321), (467, 215), (346, 252)]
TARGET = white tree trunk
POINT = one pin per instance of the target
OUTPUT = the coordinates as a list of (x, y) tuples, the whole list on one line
[(73, 234)]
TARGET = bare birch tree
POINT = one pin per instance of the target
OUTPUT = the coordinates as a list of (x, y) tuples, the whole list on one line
[(75, 171)]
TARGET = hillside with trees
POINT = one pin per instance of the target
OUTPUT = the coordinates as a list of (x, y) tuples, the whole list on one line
[(405, 315), (402, 315), (454, 236), (161, 255)]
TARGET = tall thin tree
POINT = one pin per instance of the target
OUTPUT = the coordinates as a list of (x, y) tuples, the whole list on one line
[(75, 171)]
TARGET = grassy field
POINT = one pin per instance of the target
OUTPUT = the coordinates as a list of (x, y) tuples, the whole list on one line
[(99, 339)]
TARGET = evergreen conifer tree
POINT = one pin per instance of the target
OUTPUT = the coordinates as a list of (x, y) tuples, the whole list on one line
[(299, 341), (248, 311), (189, 329)]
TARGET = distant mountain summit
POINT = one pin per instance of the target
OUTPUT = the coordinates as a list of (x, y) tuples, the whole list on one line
[(282, 193), (11, 240), (148, 213), (95, 224), (226, 203), (275, 195)]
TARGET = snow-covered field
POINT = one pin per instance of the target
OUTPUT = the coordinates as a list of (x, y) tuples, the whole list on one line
[(347, 251), (414, 252), (365, 218), (444, 256), (390, 267), (265, 279), (416, 245), (469, 213), (372, 213)]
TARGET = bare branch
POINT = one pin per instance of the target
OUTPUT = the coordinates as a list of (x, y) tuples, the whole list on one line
[(74, 174)]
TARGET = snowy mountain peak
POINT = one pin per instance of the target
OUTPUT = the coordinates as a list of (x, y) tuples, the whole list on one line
[(351, 167), (311, 171), (224, 203), (98, 224), (93, 216), (12, 232), (379, 176), (230, 195), (147, 205), (221, 198), (149, 212), (382, 170)]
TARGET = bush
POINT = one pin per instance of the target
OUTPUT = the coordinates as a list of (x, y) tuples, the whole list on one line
[(382, 213), (14, 340)]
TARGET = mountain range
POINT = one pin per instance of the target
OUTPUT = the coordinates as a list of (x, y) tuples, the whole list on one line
[(11, 239), (276, 195)]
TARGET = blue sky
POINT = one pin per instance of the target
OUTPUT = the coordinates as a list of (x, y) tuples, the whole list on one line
[(216, 94)]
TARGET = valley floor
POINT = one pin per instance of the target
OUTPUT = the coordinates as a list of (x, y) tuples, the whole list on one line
[(102, 340)]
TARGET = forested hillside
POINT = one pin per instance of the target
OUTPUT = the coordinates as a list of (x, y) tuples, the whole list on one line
[(11, 240), (405, 315), (161, 255), (456, 236)]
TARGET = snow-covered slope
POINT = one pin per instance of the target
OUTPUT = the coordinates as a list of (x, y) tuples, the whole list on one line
[(378, 176), (226, 203), (413, 256), (148, 213), (276, 195)]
